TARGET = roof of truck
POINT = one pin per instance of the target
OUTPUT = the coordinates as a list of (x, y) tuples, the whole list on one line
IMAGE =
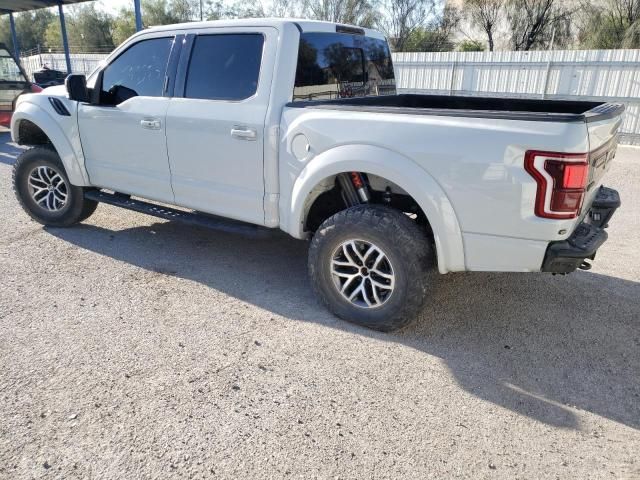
[(303, 24)]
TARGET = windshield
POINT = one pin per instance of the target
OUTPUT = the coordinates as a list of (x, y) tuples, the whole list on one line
[(338, 65)]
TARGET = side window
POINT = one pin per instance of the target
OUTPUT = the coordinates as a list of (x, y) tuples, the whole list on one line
[(224, 66), (139, 71)]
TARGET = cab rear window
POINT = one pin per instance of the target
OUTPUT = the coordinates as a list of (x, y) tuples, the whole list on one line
[(336, 65)]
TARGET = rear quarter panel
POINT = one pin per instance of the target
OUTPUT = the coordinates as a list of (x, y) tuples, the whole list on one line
[(477, 164)]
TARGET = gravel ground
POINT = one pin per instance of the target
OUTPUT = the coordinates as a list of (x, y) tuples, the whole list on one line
[(133, 348)]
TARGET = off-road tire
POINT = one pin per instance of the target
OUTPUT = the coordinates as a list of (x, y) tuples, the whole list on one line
[(76, 208), (404, 243)]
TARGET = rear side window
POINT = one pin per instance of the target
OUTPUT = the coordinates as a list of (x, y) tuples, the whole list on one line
[(224, 66), (335, 65), (139, 71)]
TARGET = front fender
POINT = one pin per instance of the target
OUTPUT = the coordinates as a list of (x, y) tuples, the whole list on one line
[(71, 157), (398, 169)]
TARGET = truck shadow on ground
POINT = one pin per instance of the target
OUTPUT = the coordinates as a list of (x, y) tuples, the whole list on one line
[(531, 343)]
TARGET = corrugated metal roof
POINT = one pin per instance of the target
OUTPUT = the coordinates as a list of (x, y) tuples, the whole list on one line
[(8, 6)]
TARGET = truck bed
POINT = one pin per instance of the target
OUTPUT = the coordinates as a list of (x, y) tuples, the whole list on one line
[(479, 107)]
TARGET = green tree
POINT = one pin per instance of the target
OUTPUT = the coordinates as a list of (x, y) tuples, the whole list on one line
[(402, 17), (612, 24), (88, 29), (632, 36), (534, 23), (166, 12), (355, 12), (470, 46), (485, 14), (437, 36), (30, 27), (123, 25)]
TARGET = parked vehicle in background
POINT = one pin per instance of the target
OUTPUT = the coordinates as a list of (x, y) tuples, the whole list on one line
[(48, 77), (297, 125), (13, 83)]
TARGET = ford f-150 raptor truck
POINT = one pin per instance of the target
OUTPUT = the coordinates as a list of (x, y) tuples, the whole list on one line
[(297, 125)]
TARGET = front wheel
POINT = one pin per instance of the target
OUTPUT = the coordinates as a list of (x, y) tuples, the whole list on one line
[(44, 191), (372, 265)]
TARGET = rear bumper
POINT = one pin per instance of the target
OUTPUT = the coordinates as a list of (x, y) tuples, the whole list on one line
[(570, 254)]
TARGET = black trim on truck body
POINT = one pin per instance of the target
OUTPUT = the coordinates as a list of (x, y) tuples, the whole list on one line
[(568, 255), (474, 107), (183, 65), (172, 66)]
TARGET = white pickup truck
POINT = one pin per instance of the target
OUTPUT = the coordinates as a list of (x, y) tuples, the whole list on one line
[(297, 125)]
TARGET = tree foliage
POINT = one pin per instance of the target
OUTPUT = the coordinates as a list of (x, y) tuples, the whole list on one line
[(410, 25), (533, 23), (614, 25), (437, 35), (470, 46), (30, 27), (355, 12), (486, 15), (88, 29), (402, 18)]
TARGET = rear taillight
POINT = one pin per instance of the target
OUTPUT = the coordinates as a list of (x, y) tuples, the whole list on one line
[(562, 179)]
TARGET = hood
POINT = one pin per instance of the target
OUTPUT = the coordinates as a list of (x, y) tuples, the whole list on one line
[(57, 91)]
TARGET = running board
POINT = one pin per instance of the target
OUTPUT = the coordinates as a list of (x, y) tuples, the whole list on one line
[(172, 214)]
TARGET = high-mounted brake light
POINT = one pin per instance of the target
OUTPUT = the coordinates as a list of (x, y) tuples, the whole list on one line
[(562, 179)]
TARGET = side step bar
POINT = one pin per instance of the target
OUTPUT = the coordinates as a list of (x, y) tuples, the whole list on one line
[(167, 213)]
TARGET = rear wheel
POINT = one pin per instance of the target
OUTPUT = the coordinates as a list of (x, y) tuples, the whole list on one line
[(43, 189), (372, 265)]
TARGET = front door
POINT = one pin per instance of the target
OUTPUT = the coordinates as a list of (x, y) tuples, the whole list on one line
[(123, 134), (215, 122)]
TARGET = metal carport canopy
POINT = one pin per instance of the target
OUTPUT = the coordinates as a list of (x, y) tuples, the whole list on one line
[(13, 6)]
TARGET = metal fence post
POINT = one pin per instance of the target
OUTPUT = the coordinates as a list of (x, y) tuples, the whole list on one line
[(453, 76), (546, 78)]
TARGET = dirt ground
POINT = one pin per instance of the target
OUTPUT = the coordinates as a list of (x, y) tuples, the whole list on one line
[(134, 348)]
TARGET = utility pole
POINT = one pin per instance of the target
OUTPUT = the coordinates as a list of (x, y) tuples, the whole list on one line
[(201, 14)]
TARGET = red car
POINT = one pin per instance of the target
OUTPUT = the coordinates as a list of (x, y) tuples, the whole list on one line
[(13, 83)]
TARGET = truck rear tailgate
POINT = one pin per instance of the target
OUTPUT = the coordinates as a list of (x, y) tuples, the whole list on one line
[(603, 124)]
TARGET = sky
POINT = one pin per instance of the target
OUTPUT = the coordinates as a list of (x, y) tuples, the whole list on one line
[(114, 5)]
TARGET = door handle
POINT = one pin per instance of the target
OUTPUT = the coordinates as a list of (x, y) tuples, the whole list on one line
[(244, 133), (150, 124)]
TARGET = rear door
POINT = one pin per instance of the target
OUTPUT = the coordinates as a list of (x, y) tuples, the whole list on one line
[(215, 122)]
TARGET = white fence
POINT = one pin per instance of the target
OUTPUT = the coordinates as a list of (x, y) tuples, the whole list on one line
[(80, 62), (598, 75)]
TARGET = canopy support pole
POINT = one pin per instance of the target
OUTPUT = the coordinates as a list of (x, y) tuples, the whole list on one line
[(14, 38), (65, 41), (136, 5)]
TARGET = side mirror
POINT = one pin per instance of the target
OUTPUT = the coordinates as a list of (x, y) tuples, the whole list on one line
[(77, 88)]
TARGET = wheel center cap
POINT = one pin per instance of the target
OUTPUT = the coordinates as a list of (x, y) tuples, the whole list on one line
[(364, 271), (50, 188)]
